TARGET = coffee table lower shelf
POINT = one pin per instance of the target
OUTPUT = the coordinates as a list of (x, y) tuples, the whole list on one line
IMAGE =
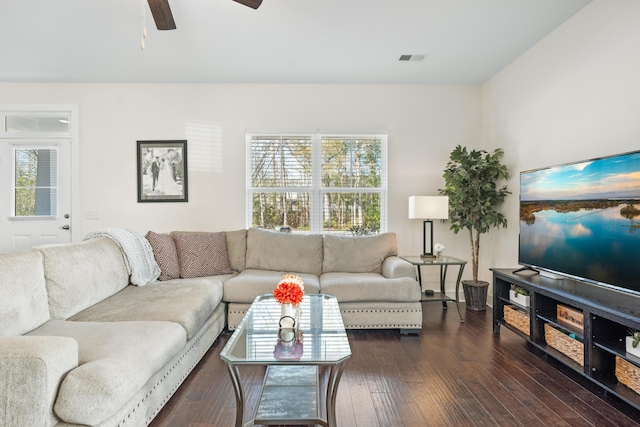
[(290, 396)]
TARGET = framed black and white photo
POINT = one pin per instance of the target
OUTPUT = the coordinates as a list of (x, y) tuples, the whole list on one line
[(162, 171)]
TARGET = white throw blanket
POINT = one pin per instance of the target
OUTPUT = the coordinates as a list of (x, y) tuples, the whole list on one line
[(137, 252)]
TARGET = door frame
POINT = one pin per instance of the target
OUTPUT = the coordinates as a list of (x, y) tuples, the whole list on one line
[(74, 135)]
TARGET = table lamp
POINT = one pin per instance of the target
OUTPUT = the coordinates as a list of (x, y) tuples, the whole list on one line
[(428, 208)]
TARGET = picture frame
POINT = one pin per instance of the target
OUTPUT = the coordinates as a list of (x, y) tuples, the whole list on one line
[(162, 171)]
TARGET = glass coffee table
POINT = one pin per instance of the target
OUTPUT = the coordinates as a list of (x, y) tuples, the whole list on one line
[(304, 365)]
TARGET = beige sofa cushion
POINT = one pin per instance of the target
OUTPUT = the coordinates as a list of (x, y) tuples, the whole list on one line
[(247, 285), (116, 359), (187, 302), (33, 369), (275, 251), (360, 254), (78, 275), (360, 287), (237, 247), (23, 295)]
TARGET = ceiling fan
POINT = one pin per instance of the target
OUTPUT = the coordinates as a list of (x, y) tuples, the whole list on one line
[(164, 18)]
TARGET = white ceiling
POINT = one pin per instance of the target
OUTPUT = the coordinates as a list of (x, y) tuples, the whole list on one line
[(284, 41)]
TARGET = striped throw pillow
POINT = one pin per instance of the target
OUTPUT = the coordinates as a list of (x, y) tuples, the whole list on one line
[(202, 253), (166, 255)]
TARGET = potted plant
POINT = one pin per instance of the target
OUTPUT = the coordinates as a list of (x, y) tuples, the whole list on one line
[(471, 182), (632, 341), (519, 295)]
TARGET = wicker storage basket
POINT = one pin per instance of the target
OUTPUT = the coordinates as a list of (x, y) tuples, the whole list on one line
[(628, 374), (517, 319), (475, 294), (566, 345)]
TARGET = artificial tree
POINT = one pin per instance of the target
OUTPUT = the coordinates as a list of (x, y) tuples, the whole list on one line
[(471, 182)]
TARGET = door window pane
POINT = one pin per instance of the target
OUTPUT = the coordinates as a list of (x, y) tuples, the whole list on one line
[(36, 181), (57, 123)]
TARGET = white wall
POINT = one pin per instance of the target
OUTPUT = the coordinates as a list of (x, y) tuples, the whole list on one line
[(424, 124), (575, 95)]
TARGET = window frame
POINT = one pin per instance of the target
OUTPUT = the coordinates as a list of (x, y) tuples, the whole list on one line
[(14, 184), (316, 190), (63, 116)]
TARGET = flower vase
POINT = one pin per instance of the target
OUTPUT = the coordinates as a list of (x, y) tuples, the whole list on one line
[(439, 256), (287, 316), (286, 336)]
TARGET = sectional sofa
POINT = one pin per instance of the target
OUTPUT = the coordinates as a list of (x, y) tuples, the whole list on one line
[(81, 345)]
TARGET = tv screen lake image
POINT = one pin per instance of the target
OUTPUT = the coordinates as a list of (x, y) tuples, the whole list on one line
[(583, 219), (598, 244)]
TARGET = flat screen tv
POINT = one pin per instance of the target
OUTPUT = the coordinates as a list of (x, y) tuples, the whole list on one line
[(582, 220)]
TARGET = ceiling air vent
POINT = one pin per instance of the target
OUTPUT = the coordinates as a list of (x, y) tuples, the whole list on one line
[(412, 57)]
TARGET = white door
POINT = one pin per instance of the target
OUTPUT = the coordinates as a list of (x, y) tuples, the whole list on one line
[(35, 192)]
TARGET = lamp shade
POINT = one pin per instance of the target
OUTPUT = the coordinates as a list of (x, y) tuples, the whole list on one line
[(428, 207)]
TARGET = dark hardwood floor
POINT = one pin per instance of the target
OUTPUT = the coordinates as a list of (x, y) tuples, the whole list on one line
[(453, 374)]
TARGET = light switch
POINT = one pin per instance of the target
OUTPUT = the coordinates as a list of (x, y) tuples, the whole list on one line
[(92, 214)]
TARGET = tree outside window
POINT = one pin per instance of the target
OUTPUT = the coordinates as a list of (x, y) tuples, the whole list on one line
[(318, 183), (35, 189)]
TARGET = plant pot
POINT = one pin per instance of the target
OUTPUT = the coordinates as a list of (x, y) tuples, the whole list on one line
[(523, 300), (630, 349), (475, 294)]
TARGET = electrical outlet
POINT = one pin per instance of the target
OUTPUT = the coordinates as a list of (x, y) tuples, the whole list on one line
[(92, 214)]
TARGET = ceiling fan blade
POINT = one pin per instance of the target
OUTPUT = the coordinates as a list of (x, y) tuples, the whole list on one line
[(253, 4), (162, 14)]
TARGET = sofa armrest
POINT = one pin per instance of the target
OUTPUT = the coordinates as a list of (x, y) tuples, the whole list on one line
[(394, 267), (32, 369)]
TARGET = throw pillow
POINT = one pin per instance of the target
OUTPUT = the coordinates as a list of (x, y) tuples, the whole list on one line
[(202, 254), (358, 254), (166, 255)]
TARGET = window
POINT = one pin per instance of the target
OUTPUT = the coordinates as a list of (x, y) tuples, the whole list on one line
[(36, 123), (317, 183), (35, 181)]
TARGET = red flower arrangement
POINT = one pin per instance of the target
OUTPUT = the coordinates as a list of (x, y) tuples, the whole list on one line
[(290, 290)]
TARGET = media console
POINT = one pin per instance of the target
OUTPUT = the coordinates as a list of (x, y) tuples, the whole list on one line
[(592, 348)]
